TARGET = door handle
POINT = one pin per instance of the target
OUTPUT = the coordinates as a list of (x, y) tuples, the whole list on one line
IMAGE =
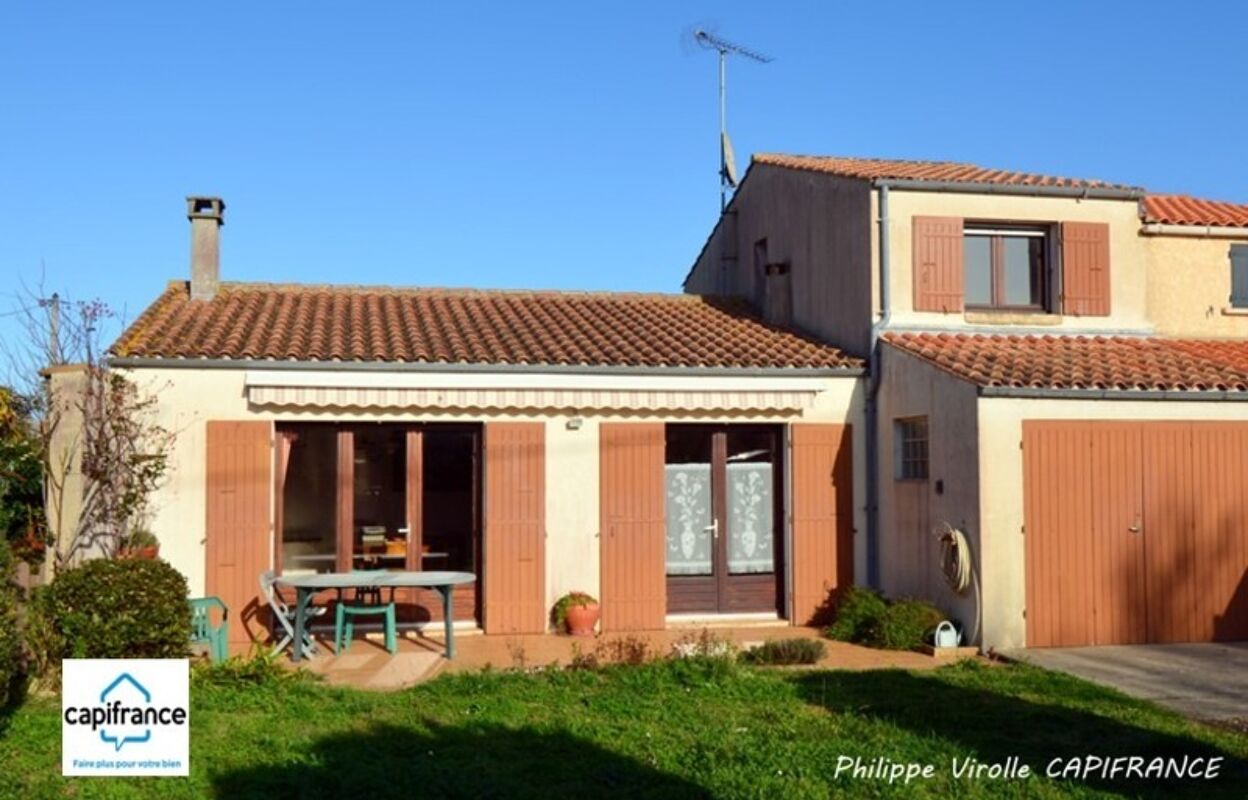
[(1134, 528), (713, 528)]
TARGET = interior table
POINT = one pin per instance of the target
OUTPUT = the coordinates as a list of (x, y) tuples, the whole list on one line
[(307, 585)]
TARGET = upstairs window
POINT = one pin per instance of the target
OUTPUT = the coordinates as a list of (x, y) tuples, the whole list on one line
[(1006, 267), (910, 435), (1239, 276)]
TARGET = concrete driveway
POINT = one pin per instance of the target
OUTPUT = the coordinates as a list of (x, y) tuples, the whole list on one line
[(1202, 681)]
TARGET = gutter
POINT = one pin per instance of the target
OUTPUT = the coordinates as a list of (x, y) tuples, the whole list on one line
[(873, 389), (959, 187), (1034, 393), (136, 362), (987, 329), (1198, 231)]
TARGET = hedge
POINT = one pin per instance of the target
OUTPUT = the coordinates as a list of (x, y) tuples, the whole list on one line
[(129, 608)]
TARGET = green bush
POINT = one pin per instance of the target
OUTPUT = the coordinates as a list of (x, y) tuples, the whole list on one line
[(786, 651), (856, 614), (44, 644), (131, 608), (259, 668), (903, 625), (10, 637)]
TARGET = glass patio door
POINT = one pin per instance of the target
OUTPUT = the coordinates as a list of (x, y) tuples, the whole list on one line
[(722, 486)]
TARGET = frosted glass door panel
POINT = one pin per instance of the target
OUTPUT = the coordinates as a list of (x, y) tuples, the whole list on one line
[(690, 541), (750, 523)]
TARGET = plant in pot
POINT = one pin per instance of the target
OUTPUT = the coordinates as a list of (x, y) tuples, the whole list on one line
[(141, 543), (576, 613)]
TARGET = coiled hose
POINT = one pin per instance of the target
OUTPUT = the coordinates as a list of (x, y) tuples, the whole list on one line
[(958, 566)]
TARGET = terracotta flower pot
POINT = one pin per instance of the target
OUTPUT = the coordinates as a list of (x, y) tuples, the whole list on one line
[(150, 553), (581, 619)]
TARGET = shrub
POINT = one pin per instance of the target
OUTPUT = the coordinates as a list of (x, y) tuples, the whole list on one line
[(120, 609), (856, 615), (10, 638), (704, 644), (786, 651), (629, 649), (582, 660), (260, 668), (44, 644), (904, 625)]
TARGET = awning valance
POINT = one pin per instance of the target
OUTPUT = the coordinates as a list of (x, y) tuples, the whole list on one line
[(528, 398)]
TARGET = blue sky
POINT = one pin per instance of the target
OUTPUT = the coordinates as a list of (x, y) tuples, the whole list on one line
[(550, 145)]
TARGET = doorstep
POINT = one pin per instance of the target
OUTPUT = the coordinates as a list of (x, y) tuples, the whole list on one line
[(766, 619)]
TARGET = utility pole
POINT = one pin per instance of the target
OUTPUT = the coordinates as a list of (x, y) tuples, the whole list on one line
[(727, 165)]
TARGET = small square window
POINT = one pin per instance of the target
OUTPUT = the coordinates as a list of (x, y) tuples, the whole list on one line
[(911, 459)]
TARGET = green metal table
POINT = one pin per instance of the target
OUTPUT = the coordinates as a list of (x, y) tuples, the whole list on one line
[(307, 585)]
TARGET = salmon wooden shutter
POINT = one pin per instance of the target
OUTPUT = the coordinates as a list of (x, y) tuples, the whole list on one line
[(938, 258), (238, 540), (823, 516), (1085, 269), (514, 563), (632, 526)]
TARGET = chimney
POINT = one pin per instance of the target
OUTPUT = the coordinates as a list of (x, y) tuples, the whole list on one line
[(207, 215), (777, 295)]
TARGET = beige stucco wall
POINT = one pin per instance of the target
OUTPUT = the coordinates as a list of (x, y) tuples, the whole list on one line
[(911, 510), (1001, 500), (1189, 286), (189, 398), (1128, 254)]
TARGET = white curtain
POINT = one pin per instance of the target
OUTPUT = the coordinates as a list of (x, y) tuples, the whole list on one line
[(750, 518), (688, 519)]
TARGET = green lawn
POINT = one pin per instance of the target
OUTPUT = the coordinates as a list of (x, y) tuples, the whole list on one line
[(687, 729)]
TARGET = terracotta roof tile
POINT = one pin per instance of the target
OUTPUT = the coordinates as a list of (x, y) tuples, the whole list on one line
[(1081, 362), (1181, 209), (463, 326), (880, 168)]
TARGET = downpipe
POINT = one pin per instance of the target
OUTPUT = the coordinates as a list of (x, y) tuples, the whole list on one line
[(873, 388)]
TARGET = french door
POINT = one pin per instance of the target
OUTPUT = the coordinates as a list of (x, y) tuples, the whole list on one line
[(724, 513), (382, 496)]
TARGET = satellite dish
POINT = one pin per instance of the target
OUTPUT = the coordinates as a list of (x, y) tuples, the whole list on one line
[(729, 166)]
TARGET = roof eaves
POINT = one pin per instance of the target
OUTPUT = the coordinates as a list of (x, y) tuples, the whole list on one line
[(156, 362), (1018, 189), (1041, 393)]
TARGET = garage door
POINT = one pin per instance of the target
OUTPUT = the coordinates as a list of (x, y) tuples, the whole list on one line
[(1135, 532)]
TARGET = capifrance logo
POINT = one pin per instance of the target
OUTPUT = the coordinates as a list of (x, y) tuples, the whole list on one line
[(125, 717)]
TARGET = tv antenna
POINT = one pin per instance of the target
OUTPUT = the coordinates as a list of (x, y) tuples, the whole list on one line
[(727, 162)]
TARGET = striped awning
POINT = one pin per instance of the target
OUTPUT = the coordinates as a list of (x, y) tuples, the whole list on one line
[(311, 396)]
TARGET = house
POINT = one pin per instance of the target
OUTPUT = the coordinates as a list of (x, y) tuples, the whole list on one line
[(1057, 368), (673, 455)]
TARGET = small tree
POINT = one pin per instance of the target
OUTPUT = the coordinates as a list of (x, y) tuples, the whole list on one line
[(123, 456), (22, 522), (101, 449)]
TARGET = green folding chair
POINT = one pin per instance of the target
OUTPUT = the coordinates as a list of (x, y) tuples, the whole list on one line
[(204, 632), (345, 614)]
